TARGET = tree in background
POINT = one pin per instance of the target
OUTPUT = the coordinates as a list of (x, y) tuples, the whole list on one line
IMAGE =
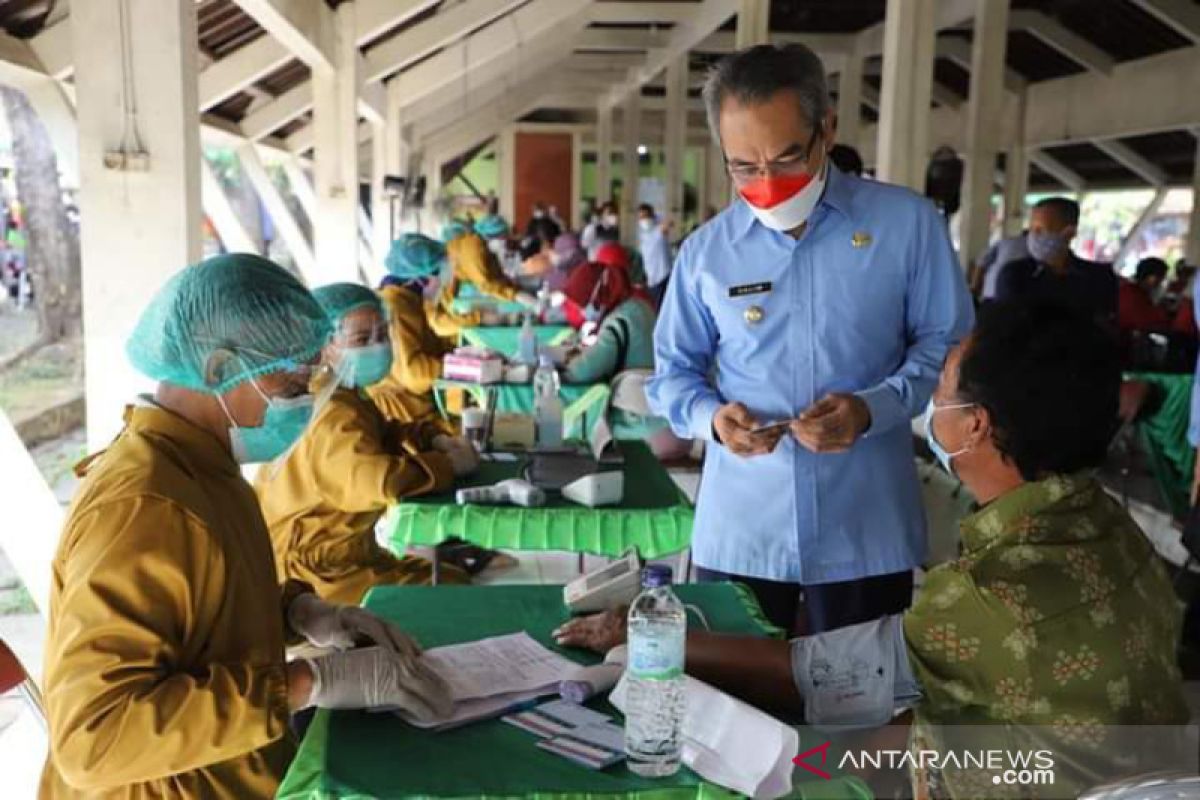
[(52, 252)]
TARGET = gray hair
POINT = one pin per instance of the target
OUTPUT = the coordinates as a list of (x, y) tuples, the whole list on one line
[(758, 73)]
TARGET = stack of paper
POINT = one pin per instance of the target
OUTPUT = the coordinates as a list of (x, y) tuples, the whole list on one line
[(492, 677)]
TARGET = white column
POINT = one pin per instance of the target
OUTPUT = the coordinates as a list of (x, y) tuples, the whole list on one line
[(1016, 176), (302, 188), (1191, 250), (575, 213), (630, 164), (335, 158), (138, 226), (903, 128), (604, 131), (281, 216), (675, 138), (381, 222), (395, 161), (983, 135), (215, 201), (716, 177), (753, 23), (849, 107), (506, 158), (701, 180)]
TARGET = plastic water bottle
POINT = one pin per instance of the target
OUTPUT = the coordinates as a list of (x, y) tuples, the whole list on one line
[(547, 406), (527, 344), (655, 701)]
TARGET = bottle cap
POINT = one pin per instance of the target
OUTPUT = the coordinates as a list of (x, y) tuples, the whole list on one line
[(656, 575), (544, 360)]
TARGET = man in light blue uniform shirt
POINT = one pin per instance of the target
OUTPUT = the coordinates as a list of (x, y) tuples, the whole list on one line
[(823, 302)]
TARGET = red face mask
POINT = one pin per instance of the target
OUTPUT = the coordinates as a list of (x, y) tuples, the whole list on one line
[(771, 191)]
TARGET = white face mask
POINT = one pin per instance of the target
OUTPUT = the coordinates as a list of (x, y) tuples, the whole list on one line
[(795, 210), (646, 224), (609, 220)]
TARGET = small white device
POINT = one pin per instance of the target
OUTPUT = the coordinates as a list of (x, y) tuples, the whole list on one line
[(609, 587), (597, 489), (513, 492)]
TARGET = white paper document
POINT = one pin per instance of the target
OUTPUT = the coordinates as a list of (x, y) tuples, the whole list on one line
[(733, 744), (496, 666), (493, 677)]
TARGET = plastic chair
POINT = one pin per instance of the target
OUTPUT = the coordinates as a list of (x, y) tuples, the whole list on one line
[(14, 676)]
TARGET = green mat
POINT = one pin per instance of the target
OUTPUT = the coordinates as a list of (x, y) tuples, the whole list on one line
[(654, 516), (351, 754), (1164, 435), (506, 340)]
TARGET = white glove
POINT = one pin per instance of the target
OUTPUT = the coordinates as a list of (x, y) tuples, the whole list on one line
[(526, 299), (329, 625), (463, 457), (373, 678)]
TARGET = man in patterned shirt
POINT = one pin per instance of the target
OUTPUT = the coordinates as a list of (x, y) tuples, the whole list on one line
[(1057, 621)]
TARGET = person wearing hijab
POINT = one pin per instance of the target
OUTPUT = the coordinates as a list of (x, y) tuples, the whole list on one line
[(323, 500), (165, 669), (600, 297), (567, 254)]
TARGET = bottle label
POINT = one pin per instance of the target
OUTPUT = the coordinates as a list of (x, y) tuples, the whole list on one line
[(657, 658)]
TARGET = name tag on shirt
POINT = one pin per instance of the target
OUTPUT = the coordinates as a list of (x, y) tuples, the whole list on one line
[(749, 289)]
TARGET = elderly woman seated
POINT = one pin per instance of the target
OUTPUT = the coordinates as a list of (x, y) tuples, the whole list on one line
[(1057, 616), (601, 300)]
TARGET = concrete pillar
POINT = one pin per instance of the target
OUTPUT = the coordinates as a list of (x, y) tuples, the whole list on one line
[(753, 23), (630, 165), (903, 131), (215, 201), (675, 137), (574, 214), (1016, 176), (1191, 250), (281, 215), (849, 107), (983, 135), (381, 222), (139, 224), (302, 188), (506, 157), (395, 162), (717, 178), (604, 132), (335, 160)]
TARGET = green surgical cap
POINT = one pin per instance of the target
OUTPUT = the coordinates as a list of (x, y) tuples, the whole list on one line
[(339, 299), (248, 312), (454, 229), (414, 255), (491, 226)]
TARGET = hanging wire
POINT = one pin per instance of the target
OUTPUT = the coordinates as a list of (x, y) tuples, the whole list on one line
[(128, 94)]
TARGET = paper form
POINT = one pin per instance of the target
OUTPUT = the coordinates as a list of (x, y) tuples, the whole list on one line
[(498, 666)]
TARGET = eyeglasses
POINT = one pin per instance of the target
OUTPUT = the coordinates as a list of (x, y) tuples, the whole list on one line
[(796, 164)]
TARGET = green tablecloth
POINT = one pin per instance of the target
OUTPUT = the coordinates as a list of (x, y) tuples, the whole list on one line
[(655, 516), (352, 754), (1164, 435), (506, 340), (583, 403), (465, 305)]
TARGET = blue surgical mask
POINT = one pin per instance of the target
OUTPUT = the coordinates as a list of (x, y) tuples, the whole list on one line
[(1046, 246), (364, 366), (283, 423), (939, 452)]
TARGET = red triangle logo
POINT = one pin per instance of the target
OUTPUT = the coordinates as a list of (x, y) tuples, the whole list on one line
[(823, 749)]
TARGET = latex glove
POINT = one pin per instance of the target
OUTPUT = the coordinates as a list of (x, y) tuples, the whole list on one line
[(527, 300), (373, 678), (463, 457), (329, 625)]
